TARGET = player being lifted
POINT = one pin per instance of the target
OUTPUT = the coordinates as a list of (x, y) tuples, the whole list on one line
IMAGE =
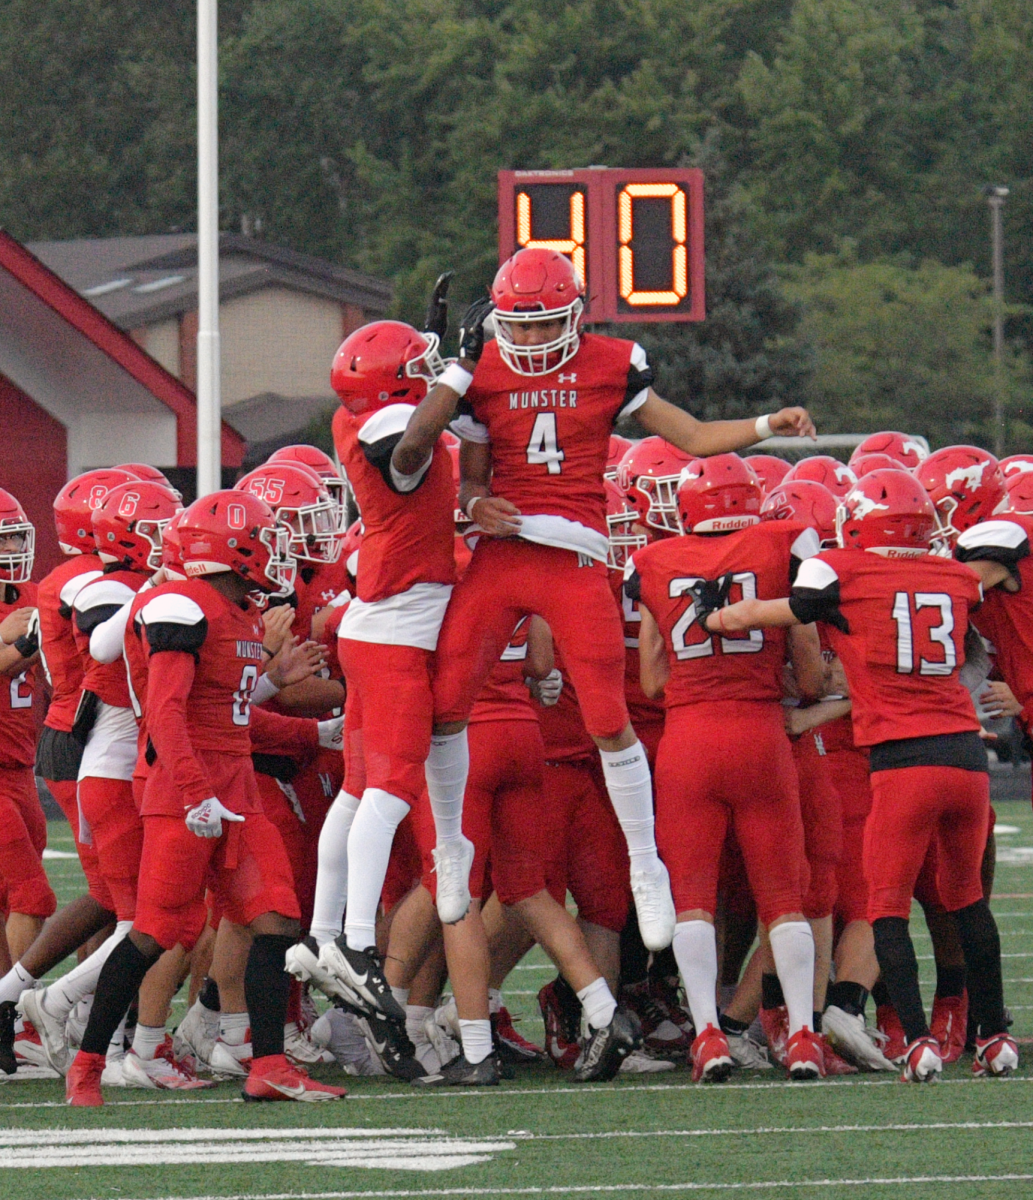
[(537, 408)]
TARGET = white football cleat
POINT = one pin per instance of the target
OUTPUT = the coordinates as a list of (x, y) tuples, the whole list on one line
[(28, 1048), (852, 1038), (77, 1021), (747, 1053), (301, 1049), (651, 888), (231, 1062), (452, 863), (304, 963), (114, 1075), (51, 1029), (442, 1030), (196, 1035), (639, 1063), (159, 1073)]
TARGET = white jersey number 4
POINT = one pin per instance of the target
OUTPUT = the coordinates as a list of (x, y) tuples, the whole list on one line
[(542, 447)]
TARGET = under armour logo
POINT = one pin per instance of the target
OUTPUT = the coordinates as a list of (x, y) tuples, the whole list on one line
[(571, 378)]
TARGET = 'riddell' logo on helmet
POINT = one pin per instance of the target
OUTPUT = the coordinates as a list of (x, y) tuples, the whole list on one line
[(971, 475), (719, 524)]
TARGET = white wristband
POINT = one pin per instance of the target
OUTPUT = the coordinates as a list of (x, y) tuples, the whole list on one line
[(763, 427), (456, 377), (470, 503)]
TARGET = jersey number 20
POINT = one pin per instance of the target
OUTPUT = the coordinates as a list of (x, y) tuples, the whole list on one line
[(703, 649)]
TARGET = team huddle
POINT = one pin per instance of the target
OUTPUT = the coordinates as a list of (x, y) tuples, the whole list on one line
[(716, 700)]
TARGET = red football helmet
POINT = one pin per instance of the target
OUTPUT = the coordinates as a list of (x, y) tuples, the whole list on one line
[(1018, 495), (965, 483), (768, 469), (907, 451), (620, 517), (887, 510), (863, 464), (719, 494), (151, 474), (74, 505), (128, 524), (16, 529), (318, 461), (350, 551), (1016, 464), (823, 469), (648, 476), (172, 547), (619, 446), (385, 362), (301, 503), (235, 531), (805, 501), (533, 287)]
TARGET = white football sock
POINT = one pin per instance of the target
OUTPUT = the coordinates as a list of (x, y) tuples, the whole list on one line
[(16, 981), (476, 1037), (401, 995), (146, 1040), (792, 945), (369, 849), (63, 996), (233, 1028), (448, 765), (597, 1004), (630, 788), (695, 950), (332, 876)]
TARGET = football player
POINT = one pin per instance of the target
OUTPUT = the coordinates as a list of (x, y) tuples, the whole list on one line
[(539, 403), (897, 617)]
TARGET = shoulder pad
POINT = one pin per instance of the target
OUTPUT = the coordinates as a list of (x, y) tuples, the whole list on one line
[(638, 358), (75, 585), (387, 422), (171, 607), (815, 574), (1003, 533), (100, 592), (806, 545)]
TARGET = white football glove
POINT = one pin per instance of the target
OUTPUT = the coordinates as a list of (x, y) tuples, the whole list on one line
[(547, 691), (331, 734), (206, 819)]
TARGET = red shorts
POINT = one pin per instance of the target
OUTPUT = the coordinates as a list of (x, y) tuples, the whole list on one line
[(729, 763), (502, 811), (914, 808), (927, 887), (508, 578), (388, 717), (65, 792), (246, 869), (315, 786), (116, 831), (405, 866), (281, 805), (585, 851), (23, 838), (822, 816), (849, 769)]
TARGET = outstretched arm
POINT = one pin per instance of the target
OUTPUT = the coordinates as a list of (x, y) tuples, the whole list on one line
[(751, 614), (703, 438)]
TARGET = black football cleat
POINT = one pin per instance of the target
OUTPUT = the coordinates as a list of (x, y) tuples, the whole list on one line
[(361, 975), (460, 1073), (8, 1062), (388, 1043), (603, 1051)]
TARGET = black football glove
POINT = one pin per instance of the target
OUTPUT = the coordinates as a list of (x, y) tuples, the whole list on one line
[(436, 320), (709, 595), (471, 331)]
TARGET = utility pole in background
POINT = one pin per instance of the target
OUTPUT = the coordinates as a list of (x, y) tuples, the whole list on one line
[(209, 403), (995, 197)]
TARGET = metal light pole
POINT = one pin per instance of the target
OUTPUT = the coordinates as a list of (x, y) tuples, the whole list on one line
[(995, 197), (209, 405)]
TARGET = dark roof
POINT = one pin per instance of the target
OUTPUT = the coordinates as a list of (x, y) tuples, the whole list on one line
[(139, 280)]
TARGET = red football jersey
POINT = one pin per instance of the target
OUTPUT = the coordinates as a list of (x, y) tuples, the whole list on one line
[(204, 657), (837, 734), (907, 619), (59, 653), (17, 724), (707, 667), (407, 536), (1006, 618), (317, 585), (504, 696), (94, 604), (641, 709), (550, 434)]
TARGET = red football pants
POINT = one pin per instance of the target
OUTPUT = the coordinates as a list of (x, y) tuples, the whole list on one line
[(849, 769), (914, 808), (822, 816), (65, 792), (508, 578), (388, 717), (23, 838), (116, 831), (729, 762)]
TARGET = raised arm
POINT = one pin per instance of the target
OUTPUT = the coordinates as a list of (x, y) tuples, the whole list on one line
[(703, 438)]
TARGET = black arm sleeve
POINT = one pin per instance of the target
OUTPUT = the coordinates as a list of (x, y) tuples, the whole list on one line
[(633, 586), (809, 604), (87, 622), (637, 380), (170, 635), (378, 454), (1007, 556)]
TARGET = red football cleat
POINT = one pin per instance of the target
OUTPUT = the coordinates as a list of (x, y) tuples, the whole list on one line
[(950, 1025), (711, 1059), (82, 1083), (997, 1055), (834, 1064), (512, 1046), (662, 1021), (888, 1024), (775, 1023), (921, 1061), (274, 1078), (562, 1027), (804, 1057)]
